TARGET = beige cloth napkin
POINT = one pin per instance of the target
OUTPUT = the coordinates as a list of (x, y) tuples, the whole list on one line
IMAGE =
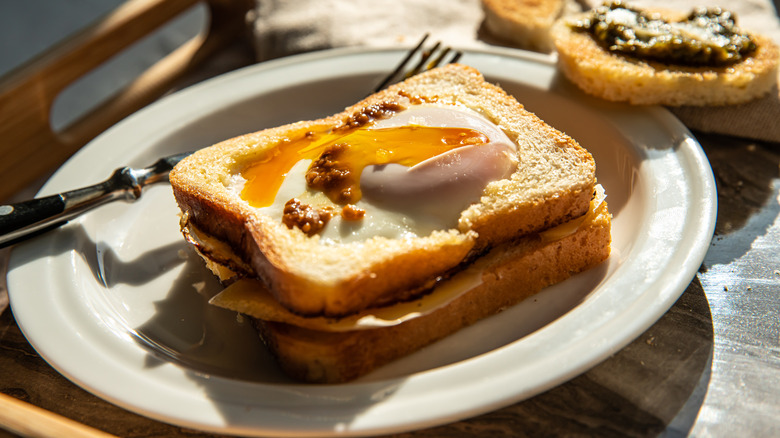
[(285, 27)]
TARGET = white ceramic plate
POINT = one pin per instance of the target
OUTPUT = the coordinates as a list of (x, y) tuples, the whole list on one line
[(117, 303)]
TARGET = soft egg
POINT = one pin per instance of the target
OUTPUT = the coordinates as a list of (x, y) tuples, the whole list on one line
[(446, 184), (414, 172)]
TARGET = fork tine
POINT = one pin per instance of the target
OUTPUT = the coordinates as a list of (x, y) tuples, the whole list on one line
[(426, 54), (436, 61), (402, 64), (426, 62)]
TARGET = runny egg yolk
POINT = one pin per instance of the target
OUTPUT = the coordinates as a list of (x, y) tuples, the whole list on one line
[(358, 148)]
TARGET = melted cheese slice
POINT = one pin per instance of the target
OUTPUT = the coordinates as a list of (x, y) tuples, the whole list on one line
[(568, 228), (250, 297)]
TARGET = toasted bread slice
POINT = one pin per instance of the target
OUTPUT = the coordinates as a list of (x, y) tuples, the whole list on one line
[(553, 183), (526, 24), (312, 351), (621, 78)]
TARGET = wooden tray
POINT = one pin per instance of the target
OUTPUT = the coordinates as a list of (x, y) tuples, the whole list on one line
[(30, 148)]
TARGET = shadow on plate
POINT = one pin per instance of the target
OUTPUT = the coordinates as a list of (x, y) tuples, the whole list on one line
[(213, 345)]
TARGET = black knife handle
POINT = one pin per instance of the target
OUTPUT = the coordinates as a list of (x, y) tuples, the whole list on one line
[(16, 216), (26, 219)]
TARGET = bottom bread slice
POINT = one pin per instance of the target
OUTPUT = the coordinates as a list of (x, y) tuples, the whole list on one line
[(511, 274)]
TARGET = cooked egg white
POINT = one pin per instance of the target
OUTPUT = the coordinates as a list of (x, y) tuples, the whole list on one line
[(406, 201)]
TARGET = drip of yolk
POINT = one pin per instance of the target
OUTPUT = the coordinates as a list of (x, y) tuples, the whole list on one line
[(405, 145)]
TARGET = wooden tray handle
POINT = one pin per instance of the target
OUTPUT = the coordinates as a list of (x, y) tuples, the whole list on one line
[(29, 420), (30, 148)]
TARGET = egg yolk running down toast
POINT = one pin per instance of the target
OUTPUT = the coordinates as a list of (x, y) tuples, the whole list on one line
[(407, 174)]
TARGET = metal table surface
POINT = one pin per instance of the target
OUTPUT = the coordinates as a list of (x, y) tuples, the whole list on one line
[(741, 279), (709, 367)]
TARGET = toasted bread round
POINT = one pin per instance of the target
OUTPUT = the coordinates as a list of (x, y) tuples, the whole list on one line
[(622, 78)]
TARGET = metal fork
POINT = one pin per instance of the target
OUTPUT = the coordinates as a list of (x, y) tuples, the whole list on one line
[(428, 59)]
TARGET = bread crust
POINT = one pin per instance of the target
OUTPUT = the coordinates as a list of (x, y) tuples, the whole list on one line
[(311, 279), (621, 78), (525, 23), (514, 272)]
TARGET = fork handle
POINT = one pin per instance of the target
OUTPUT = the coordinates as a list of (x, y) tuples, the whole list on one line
[(29, 218)]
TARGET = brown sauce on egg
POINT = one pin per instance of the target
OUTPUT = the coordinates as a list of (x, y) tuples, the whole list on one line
[(310, 220), (333, 176)]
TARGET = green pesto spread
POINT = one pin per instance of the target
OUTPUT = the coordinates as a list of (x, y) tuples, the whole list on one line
[(707, 37)]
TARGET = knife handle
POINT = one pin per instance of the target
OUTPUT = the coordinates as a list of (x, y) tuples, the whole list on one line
[(29, 218)]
